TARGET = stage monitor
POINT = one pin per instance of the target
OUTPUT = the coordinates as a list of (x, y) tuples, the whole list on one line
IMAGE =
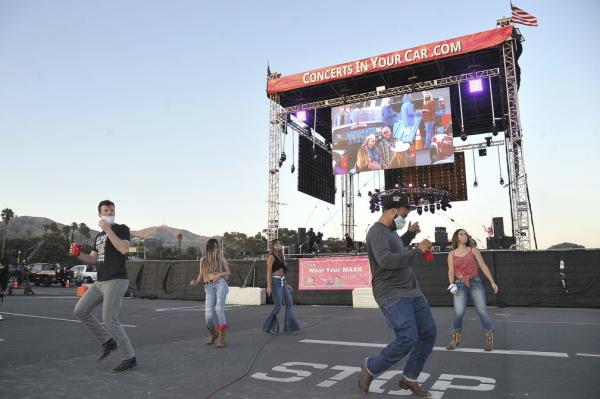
[(414, 129)]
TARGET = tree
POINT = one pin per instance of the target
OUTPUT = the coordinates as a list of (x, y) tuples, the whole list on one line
[(191, 253), (54, 228), (66, 231), (179, 238), (7, 216), (74, 230), (84, 230)]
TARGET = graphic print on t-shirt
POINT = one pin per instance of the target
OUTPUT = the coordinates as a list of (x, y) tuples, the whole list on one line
[(100, 245)]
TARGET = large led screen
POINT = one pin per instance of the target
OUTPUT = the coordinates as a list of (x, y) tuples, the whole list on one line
[(414, 129)]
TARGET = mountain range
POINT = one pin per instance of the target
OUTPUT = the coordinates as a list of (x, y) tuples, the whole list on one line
[(26, 227)]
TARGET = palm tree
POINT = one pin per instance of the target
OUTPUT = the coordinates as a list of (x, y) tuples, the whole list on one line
[(84, 230), (179, 238), (73, 230), (66, 231), (7, 216)]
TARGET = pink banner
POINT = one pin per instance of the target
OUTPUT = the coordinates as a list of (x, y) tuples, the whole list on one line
[(341, 273)]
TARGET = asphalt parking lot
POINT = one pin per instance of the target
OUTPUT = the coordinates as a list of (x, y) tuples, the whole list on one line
[(46, 353)]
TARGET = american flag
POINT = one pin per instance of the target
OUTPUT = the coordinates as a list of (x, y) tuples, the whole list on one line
[(520, 16)]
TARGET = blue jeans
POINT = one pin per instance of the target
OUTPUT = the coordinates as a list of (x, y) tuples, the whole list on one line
[(477, 292), (281, 292), (214, 303), (428, 133), (415, 330)]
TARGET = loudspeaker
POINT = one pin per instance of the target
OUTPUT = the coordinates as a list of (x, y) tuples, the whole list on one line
[(441, 238), (440, 228), (498, 224), (500, 242), (301, 237)]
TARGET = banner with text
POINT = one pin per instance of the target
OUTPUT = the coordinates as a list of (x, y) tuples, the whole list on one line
[(396, 59), (340, 273)]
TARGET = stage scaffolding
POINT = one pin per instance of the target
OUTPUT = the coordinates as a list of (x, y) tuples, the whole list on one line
[(519, 198)]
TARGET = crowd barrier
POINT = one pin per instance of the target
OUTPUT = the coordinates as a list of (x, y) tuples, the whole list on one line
[(525, 278)]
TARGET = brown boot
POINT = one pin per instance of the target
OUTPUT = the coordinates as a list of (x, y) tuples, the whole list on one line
[(364, 378), (414, 387), (489, 341), (212, 336), (221, 339), (454, 341)]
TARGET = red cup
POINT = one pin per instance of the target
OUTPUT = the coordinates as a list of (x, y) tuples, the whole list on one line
[(428, 255), (75, 249)]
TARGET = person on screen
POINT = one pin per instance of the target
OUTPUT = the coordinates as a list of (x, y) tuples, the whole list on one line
[(386, 145), (373, 152), (388, 115), (428, 117), (278, 287), (343, 116), (397, 292), (362, 159), (408, 115), (464, 263)]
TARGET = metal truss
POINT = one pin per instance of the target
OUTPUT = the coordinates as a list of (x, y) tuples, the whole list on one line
[(466, 147), (394, 91), (348, 204), (302, 131), (275, 130), (519, 199)]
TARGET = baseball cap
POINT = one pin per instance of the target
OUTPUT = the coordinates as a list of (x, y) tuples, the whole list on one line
[(396, 199)]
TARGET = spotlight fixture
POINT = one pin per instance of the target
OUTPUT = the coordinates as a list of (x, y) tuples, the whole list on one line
[(488, 141), (463, 136), (419, 210), (431, 208), (501, 181), (494, 130), (437, 206), (475, 183), (358, 194), (475, 86), (301, 116), (293, 168)]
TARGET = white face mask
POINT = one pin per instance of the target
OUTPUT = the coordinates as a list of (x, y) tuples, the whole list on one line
[(399, 221), (109, 219)]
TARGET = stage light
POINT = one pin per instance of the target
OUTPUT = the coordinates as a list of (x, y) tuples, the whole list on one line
[(432, 208), (501, 181), (437, 206), (359, 194), (488, 141), (301, 116), (463, 136), (419, 210), (475, 183), (293, 168), (449, 205), (370, 194), (494, 130), (475, 86)]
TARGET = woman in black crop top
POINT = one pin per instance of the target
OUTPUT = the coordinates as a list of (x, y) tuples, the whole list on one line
[(278, 287)]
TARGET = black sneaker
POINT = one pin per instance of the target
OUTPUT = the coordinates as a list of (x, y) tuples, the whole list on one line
[(107, 347), (125, 365)]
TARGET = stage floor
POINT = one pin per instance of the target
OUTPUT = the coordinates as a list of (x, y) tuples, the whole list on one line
[(45, 353)]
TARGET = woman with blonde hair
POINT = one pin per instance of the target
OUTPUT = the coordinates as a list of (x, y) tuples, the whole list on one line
[(214, 272), (278, 287), (464, 263)]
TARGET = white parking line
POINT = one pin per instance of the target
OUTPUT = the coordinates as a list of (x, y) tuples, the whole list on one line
[(195, 308), (588, 354), (440, 348), (53, 318)]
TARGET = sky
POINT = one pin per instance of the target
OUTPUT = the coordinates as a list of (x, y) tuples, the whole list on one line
[(160, 106)]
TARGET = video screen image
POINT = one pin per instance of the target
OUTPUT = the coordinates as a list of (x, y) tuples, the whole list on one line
[(413, 129)]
